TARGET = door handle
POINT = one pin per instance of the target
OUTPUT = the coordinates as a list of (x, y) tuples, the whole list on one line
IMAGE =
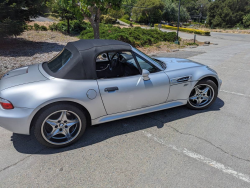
[(111, 89)]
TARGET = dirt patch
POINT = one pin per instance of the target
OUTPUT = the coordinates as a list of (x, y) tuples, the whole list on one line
[(168, 47), (46, 24), (30, 48)]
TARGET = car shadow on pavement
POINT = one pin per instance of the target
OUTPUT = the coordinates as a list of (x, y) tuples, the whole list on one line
[(95, 134), (21, 47)]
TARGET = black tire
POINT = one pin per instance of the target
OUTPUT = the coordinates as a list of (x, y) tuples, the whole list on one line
[(200, 83), (47, 111)]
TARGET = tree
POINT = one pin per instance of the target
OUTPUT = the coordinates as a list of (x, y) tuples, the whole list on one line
[(128, 6), (171, 10), (195, 7), (92, 10), (15, 13), (64, 9), (227, 13), (149, 11)]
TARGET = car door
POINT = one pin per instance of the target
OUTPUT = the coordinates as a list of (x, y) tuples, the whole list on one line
[(133, 92)]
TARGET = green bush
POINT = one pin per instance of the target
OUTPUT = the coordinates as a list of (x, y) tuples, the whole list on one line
[(246, 20), (28, 27), (126, 17), (43, 28), (126, 21), (76, 26), (135, 36), (53, 27), (37, 27), (106, 19)]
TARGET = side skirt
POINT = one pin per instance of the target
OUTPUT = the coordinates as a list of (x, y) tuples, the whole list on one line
[(132, 113)]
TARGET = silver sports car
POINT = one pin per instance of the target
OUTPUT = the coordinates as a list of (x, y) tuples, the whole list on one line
[(95, 81)]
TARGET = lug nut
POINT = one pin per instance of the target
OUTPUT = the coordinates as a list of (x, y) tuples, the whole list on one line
[(56, 126), (66, 126), (60, 129)]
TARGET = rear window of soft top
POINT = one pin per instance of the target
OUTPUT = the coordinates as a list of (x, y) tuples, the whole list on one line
[(60, 60)]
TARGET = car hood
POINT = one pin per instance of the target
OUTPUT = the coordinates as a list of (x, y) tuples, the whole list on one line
[(21, 76), (177, 63)]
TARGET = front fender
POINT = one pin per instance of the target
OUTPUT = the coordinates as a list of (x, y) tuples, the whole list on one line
[(181, 91)]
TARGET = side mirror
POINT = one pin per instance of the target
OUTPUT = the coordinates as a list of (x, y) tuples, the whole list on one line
[(145, 74)]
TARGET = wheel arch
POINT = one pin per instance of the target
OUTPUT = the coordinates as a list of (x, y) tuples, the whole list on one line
[(80, 106), (214, 79)]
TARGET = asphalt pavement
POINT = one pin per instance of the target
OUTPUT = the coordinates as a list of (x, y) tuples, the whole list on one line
[(171, 148)]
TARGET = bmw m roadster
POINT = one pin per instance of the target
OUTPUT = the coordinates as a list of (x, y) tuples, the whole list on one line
[(95, 81)]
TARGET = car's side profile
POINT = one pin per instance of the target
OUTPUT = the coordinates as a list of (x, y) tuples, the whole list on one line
[(97, 81)]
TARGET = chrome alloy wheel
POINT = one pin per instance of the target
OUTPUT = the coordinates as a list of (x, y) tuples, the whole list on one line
[(61, 127), (201, 96)]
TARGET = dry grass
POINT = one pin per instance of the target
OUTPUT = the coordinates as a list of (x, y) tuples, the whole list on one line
[(47, 24)]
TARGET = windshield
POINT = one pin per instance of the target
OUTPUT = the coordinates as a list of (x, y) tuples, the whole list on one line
[(158, 62), (60, 60)]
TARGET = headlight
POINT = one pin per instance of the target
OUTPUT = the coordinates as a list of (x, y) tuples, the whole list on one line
[(211, 70)]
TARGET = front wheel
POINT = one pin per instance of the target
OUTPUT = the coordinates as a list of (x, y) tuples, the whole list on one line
[(59, 125), (203, 95)]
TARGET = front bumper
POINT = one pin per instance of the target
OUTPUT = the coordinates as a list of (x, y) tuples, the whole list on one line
[(16, 120)]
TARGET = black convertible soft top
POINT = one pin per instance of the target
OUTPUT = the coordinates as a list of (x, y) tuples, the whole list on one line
[(82, 65)]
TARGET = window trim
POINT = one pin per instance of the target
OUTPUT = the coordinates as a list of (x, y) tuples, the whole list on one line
[(147, 58), (159, 70)]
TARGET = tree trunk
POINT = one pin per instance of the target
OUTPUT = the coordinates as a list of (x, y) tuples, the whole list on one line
[(95, 26), (94, 19), (68, 26)]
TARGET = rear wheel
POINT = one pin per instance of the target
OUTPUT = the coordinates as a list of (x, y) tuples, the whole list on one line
[(60, 125), (203, 95)]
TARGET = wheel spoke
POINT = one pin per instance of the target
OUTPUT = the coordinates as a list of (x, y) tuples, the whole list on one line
[(72, 122), (54, 132), (63, 116), (197, 90), (206, 98), (204, 91), (193, 98), (51, 122), (67, 133)]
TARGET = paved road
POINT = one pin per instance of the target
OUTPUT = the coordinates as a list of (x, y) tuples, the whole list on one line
[(42, 19), (171, 148)]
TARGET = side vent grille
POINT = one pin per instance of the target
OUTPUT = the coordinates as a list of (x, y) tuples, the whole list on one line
[(180, 80), (183, 79)]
